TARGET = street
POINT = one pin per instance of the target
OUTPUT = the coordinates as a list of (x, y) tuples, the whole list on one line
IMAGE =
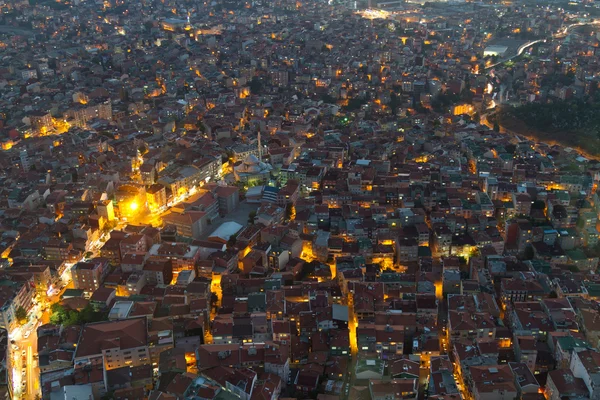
[(26, 385), (25, 339), (352, 326)]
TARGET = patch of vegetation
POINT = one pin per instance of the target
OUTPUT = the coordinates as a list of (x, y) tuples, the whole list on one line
[(570, 122), (21, 315), (60, 316)]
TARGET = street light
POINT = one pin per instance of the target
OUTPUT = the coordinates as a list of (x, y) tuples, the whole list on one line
[(133, 206)]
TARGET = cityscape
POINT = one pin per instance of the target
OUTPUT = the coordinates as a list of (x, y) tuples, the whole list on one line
[(307, 199)]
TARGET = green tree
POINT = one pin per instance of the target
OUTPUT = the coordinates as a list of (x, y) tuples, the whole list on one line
[(87, 314), (21, 315), (72, 318), (496, 126)]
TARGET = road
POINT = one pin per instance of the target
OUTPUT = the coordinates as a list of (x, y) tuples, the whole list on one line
[(352, 325), (557, 35), (33, 385), (519, 52), (25, 362), (29, 345), (16, 30)]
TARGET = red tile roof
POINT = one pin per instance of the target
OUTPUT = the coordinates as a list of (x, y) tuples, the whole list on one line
[(125, 334)]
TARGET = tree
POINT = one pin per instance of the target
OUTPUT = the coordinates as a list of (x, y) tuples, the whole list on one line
[(21, 315), (510, 148), (395, 102), (308, 269), (255, 85), (232, 241), (251, 217), (108, 396), (290, 212), (573, 268), (420, 108), (88, 314), (327, 98), (72, 319), (56, 307), (466, 95), (214, 299), (538, 205), (528, 254), (355, 104), (496, 126)]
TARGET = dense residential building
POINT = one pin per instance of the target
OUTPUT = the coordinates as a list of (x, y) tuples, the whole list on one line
[(331, 200), (89, 275)]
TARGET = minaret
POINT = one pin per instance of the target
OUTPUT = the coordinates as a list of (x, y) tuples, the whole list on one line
[(259, 147)]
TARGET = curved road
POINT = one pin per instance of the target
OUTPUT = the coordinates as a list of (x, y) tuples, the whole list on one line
[(529, 44)]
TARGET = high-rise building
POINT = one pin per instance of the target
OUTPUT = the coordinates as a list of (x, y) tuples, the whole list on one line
[(24, 160), (106, 210)]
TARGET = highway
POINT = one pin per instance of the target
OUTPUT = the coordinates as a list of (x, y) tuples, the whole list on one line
[(519, 52), (557, 35)]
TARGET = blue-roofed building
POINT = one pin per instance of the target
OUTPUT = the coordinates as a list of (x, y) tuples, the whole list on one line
[(270, 194)]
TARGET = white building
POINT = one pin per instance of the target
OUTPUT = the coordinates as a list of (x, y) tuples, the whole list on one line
[(495, 50)]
